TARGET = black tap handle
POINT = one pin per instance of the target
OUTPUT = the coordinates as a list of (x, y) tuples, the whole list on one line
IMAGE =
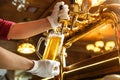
[(61, 7), (72, 1)]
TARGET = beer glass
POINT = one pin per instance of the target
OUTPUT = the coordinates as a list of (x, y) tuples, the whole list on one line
[(53, 46)]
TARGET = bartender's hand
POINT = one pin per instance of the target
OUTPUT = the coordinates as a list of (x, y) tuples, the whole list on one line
[(45, 68), (60, 11)]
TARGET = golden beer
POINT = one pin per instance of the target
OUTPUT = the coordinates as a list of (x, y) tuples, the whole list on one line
[(53, 46)]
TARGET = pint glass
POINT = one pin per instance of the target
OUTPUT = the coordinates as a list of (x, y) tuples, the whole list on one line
[(53, 46)]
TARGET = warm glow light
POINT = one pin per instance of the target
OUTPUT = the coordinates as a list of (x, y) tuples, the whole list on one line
[(26, 48), (110, 45), (97, 49), (99, 44), (90, 47)]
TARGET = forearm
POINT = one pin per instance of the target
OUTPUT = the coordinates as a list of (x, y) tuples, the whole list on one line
[(28, 29), (11, 61)]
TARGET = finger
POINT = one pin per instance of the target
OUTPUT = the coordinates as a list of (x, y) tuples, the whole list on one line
[(56, 70), (66, 7), (57, 6), (63, 14)]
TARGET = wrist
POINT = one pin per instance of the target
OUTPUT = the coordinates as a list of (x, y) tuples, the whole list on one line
[(34, 67), (49, 23), (31, 65), (52, 22)]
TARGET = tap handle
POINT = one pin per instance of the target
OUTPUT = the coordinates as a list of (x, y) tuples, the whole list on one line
[(72, 1)]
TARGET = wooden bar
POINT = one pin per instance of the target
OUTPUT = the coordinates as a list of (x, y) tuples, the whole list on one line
[(94, 67)]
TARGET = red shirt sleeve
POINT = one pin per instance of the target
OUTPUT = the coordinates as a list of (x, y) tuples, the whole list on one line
[(4, 28)]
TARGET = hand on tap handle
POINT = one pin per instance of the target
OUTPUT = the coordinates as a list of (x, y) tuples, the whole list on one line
[(60, 11)]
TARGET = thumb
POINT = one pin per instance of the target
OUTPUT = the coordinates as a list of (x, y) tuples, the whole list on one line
[(56, 69)]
